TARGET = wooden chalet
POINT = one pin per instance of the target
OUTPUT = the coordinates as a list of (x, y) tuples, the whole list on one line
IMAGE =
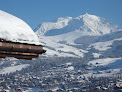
[(20, 50)]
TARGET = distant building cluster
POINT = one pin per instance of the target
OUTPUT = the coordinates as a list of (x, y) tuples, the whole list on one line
[(61, 78)]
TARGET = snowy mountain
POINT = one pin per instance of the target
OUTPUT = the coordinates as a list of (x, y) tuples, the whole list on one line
[(85, 23), (77, 37), (15, 29)]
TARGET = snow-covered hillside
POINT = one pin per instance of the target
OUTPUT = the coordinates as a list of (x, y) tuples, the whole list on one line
[(105, 62), (102, 46), (105, 67), (12, 69), (15, 29), (60, 37)]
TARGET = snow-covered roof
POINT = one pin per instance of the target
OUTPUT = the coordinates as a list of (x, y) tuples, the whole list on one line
[(16, 30)]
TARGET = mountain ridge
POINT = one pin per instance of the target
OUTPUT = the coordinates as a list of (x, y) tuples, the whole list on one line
[(85, 23), (78, 37)]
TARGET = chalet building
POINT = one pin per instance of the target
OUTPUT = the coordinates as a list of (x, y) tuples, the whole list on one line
[(119, 84), (1, 80), (20, 50), (19, 90)]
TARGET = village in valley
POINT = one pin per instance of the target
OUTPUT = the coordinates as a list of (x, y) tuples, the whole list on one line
[(52, 76)]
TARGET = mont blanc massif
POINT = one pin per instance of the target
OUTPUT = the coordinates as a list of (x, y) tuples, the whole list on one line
[(83, 54)]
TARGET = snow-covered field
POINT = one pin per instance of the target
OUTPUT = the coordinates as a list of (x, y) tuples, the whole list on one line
[(63, 50), (102, 46), (104, 73), (96, 55), (32, 90), (12, 69), (104, 61), (105, 67)]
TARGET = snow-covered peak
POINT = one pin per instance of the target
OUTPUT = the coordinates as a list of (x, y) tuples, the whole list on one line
[(98, 25), (15, 29), (46, 26), (88, 16), (92, 17), (64, 19), (84, 23)]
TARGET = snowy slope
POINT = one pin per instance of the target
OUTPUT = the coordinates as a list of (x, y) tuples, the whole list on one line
[(45, 27), (102, 46), (12, 69), (96, 55), (105, 67), (105, 62), (15, 29), (59, 36), (97, 25)]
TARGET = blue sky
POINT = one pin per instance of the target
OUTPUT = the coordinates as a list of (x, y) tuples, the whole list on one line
[(35, 12)]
